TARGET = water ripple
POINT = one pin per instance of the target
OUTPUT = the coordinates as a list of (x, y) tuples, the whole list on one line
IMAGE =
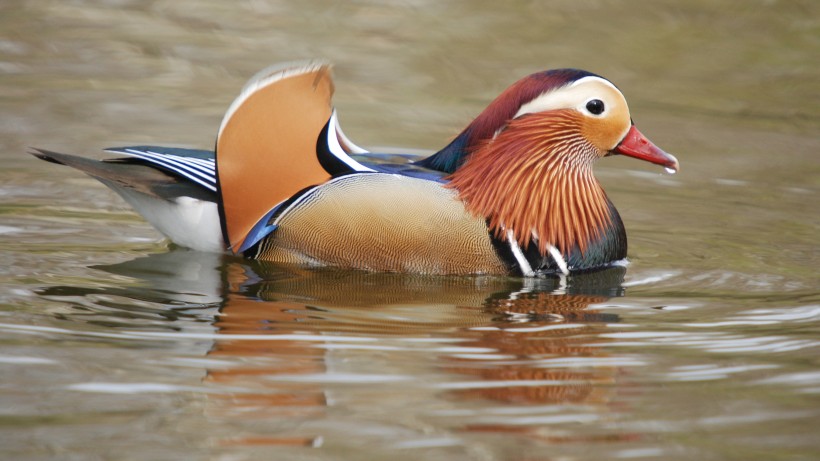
[(341, 378), (711, 372), (581, 362), (711, 341), (751, 418), (768, 316), (131, 388), (808, 382), (489, 384), (565, 418), (639, 453), (562, 326), (436, 442), (28, 329), (26, 360)]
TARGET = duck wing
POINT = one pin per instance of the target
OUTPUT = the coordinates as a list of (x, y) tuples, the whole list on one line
[(266, 145), (175, 197)]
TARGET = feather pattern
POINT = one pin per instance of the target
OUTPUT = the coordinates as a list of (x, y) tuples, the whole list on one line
[(266, 145), (183, 210), (192, 164), (502, 109), (535, 179), (513, 193)]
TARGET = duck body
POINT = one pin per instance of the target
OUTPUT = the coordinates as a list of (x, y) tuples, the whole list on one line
[(389, 222), (512, 194)]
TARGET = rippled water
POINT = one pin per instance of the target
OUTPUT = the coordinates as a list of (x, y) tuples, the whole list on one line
[(113, 346)]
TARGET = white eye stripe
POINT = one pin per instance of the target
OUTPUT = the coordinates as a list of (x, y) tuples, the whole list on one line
[(571, 96), (596, 79)]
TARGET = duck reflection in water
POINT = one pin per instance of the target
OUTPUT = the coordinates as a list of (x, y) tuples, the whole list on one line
[(289, 333)]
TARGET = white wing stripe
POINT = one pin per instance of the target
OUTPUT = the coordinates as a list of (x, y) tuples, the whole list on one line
[(206, 165), (183, 162), (182, 167), (336, 148), (178, 162), (202, 183), (206, 178)]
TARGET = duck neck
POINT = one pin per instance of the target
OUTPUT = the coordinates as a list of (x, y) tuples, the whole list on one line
[(534, 182)]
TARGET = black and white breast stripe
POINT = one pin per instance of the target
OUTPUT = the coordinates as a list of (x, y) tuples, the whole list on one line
[(188, 163)]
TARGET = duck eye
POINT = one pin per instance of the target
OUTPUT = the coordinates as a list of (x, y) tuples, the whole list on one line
[(595, 107)]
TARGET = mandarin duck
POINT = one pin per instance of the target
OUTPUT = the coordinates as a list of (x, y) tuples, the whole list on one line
[(514, 193)]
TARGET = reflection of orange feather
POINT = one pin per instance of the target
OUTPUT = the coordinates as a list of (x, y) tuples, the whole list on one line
[(533, 349), (266, 150), (536, 176)]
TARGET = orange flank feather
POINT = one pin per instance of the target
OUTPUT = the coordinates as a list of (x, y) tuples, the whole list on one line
[(536, 179), (266, 147)]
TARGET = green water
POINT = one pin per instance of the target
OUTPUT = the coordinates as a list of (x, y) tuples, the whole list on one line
[(113, 346)]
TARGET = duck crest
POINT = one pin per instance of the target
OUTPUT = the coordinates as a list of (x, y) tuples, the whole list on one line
[(535, 179), (497, 114)]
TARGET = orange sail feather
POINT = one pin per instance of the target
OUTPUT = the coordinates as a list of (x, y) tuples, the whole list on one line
[(266, 148)]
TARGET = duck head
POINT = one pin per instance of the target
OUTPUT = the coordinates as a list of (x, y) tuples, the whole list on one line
[(525, 163)]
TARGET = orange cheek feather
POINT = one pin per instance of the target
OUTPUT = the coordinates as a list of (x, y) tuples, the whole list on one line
[(605, 133)]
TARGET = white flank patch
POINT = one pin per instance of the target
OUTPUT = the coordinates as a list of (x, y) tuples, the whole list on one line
[(336, 148), (187, 221), (341, 136)]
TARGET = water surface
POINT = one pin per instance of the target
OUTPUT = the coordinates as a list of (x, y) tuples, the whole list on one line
[(115, 346)]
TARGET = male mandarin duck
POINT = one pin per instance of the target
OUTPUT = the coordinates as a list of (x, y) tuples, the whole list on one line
[(514, 193)]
